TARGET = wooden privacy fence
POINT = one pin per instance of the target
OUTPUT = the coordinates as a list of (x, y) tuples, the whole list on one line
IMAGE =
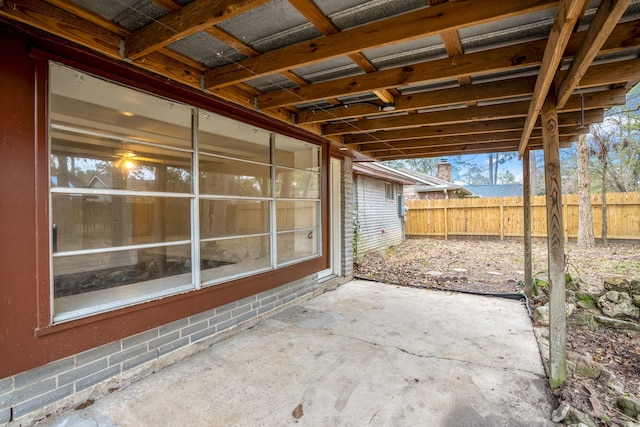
[(503, 216)]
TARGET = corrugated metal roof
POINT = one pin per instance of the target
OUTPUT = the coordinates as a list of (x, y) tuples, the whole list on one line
[(263, 32)]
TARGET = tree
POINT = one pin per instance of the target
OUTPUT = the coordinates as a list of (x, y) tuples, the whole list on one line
[(507, 177), (495, 160), (585, 215)]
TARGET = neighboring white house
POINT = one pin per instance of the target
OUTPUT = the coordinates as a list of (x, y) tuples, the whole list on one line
[(379, 206)]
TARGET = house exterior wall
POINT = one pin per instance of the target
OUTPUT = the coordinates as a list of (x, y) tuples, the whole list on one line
[(348, 204), (44, 365), (30, 395), (379, 222)]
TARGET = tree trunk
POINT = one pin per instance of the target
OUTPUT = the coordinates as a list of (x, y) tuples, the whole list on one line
[(534, 173), (586, 238), (491, 177)]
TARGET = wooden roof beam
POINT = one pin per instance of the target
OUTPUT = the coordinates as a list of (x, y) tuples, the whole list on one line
[(608, 14), (409, 26), (564, 119), (319, 20), (195, 17), (594, 100), (596, 75), (513, 136), (566, 17), (625, 36), (453, 150)]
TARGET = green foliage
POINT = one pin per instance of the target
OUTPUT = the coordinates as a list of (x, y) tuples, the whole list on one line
[(357, 234), (537, 283)]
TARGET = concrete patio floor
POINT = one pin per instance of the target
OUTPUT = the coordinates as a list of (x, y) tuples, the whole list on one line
[(364, 354)]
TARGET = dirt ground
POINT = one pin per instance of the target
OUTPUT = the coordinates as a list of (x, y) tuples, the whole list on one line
[(497, 267)]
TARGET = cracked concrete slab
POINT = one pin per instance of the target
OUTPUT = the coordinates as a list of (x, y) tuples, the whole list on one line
[(364, 354)]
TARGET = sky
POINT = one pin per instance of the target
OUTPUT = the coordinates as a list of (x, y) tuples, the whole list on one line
[(482, 160)]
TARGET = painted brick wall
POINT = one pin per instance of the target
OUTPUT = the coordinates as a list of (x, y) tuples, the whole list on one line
[(348, 206), (31, 395)]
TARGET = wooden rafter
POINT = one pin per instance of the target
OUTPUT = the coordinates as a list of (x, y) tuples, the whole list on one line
[(454, 149), (566, 17), (500, 59), (597, 75), (590, 101), (313, 13), (419, 24), (413, 144), (495, 111), (608, 14), (194, 17), (572, 119)]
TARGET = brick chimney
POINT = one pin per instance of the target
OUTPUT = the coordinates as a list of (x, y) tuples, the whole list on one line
[(444, 170)]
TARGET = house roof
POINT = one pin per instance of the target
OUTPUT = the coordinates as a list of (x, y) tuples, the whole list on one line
[(376, 170), (428, 183), (386, 79), (504, 190)]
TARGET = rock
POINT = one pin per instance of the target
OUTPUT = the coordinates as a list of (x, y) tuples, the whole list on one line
[(618, 305), (617, 324), (460, 270), (576, 417), (629, 405), (630, 424), (617, 284), (635, 287), (586, 319), (434, 273), (560, 413), (495, 273), (636, 300), (585, 369), (541, 315), (584, 299), (607, 376)]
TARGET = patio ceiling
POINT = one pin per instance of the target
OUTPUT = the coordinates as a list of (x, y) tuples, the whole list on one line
[(387, 79)]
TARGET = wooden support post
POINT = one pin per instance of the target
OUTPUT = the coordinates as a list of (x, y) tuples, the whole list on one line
[(526, 207), (555, 232)]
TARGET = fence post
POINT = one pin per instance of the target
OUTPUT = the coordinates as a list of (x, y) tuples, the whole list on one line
[(502, 220), (446, 224)]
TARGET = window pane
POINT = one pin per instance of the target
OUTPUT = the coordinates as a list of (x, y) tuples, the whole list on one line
[(84, 102), (297, 154), (226, 177), (297, 184), (227, 137), (295, 215), (296, 245), (89, 222), (100, 163), (118, 278), (232, 257), (223, 218)]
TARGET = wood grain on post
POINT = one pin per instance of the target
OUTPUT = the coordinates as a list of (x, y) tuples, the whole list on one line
[(555, 239), (526, 207)]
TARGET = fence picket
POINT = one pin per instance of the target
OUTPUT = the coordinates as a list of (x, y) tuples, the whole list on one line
[(502, 217)]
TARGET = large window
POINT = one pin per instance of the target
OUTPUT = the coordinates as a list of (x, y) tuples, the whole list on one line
[(151, 197)]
